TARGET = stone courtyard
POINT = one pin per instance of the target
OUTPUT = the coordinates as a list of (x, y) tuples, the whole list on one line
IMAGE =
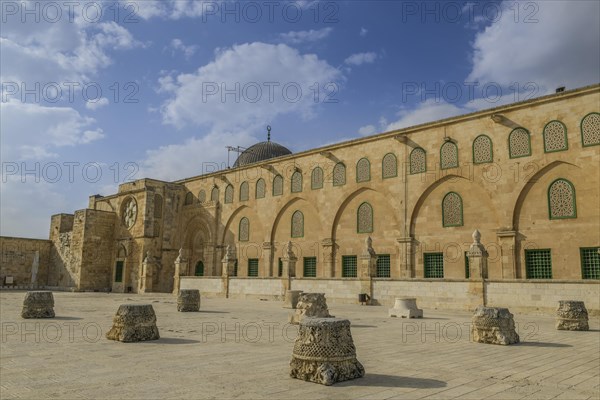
[(236, 348)]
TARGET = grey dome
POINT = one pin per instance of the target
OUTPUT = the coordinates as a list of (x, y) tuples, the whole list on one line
[(260, 152)]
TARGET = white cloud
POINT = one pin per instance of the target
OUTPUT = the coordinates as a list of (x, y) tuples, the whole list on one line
[(296, 37), (172, 9), (361, 58), (188, 51), (363, 32), (96, 104), (367, 130), (427, 111)]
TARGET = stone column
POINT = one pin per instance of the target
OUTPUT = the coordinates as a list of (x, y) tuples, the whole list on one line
[(367, 269), (181, 268), (146, 279), (478, 268), (508, 244), (407, 268), (228, 267), (289, 267), (268, 256), (328, 246)]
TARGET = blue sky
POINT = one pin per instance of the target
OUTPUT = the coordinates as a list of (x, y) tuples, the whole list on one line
[(162, 68)]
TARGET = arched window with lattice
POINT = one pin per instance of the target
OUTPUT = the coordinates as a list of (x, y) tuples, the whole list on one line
[(244, 231), (364, 218), (452, 210), (561, 200), (316, 178), (339, 174), (449, 155), (363, 170), (202, 196), (296, 182), (214, 194), (189, 199), (519, 143), (261, 188), (590, 129), (555, 137), (483, 150), (244, 191), (229, 194), (418, 161), (297, 224), (389, 166), (278, 185)]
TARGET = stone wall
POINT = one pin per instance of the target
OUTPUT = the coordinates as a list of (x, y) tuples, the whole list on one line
[(96, 249), (19, 256)]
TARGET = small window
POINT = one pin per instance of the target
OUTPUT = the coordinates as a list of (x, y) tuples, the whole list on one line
[(449, 155), (202, 196), (296, 182), (467, 266), (316, 178), (189, 198), (452, 210), (389, 166), (235, 268), (590, 262), (561, 200), (119, 271), (363, 170), (555, 137), (433, 265), (244, 231), (383, 266), (244, 191), (261, 188), (590, 129), (538, 264), (297, 224), (278, 185), (483, 151), (199, 271), (279, 267), (310, 267), (214, 194), (418, 161), (364, 218), (339, 174), (519, 143), (253, 267), (229, 194), (349, 265)]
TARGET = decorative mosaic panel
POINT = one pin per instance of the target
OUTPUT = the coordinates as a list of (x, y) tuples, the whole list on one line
[(229, 194), (449, 155), (278, 185), (518, 143), (417, 161), (202, 196), (297, 224), (244, 234), (561, 199), (214, 194), (389, 166), (316, 178), (244, 191), (590, 129), (339, 174), (363, 170), (482, 150), (296, 182), (365, 218), (261, 188), (452, 210), (555, 136)]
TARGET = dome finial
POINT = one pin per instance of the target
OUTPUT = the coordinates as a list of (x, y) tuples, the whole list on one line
[(268, 133)]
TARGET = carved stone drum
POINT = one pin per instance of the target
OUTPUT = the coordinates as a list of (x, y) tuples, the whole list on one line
[(572, 315), (188, 300), (291, 298), (38, 304), (310, 305), (324, 352), (134, 323), (405, 307), (493, 325)]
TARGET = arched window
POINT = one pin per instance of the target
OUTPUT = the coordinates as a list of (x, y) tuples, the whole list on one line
[(364, 218), (229, 194), (363, 170), (389, 166), (214, 194), (296, 182), (202, 196), (189, 198), (158, 204), (316, 178), (339, 174), (418, 161), (519, 143), (244, 191), (449, 155), (590, 129), (555, 137), (278, 185), (561, 200), (297, 224), (483, 150), (452, 210), (244, 231), (261, 188)]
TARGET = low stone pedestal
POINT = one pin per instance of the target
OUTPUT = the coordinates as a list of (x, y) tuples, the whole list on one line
[(310, 305), (38, 304), (291, 298), (572, 315), (134, 323), (405, 307), (493, 325), (324, 352), (188, 300)]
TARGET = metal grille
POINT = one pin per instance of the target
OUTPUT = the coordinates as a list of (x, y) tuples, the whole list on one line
[(538, 264), (590, 262), (349, 266), (467, 266), (434, 265), (253, 267), (383, 266), (310, 267)]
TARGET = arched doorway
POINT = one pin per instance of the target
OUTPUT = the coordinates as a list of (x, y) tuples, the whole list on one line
[(199, 271)]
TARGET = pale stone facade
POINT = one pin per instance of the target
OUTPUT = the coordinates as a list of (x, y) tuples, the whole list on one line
[(526, 175)]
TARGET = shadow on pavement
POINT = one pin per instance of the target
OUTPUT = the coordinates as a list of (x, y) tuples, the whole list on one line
[(394, 381)]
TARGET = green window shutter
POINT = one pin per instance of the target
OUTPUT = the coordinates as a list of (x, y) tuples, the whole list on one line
[(383, 266), (253, 267), (434, 265), (310, 267), (349, 267), (590, 262), (538, 264)]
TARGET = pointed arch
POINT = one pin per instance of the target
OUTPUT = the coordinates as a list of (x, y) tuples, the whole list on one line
[(261, 188), (364, 218), (316, 178), (244, 191), (363, 170), (297, 225), (296, 182), (389, 166)]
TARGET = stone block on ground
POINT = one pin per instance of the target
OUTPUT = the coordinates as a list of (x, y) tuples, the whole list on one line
[(493, 325), (188, 300), (572, 315), (291, 298), (405, 307), (38, 304), (310, 305), (134, 323)]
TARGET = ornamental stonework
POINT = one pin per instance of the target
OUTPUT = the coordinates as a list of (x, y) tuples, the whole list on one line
[(129, 212), (389, 166), (363, 170), (244, 230), (296, 182), (339, 175), (449, 155), (261, 187), (555, 137), (316, 179), (278, 186), (229, 194), (452, 210), (561, 199), (365, 218), (482, 150), (518, 142), (590, 129), (214, 194), (417, 161), (297, 224), (244, 191)]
